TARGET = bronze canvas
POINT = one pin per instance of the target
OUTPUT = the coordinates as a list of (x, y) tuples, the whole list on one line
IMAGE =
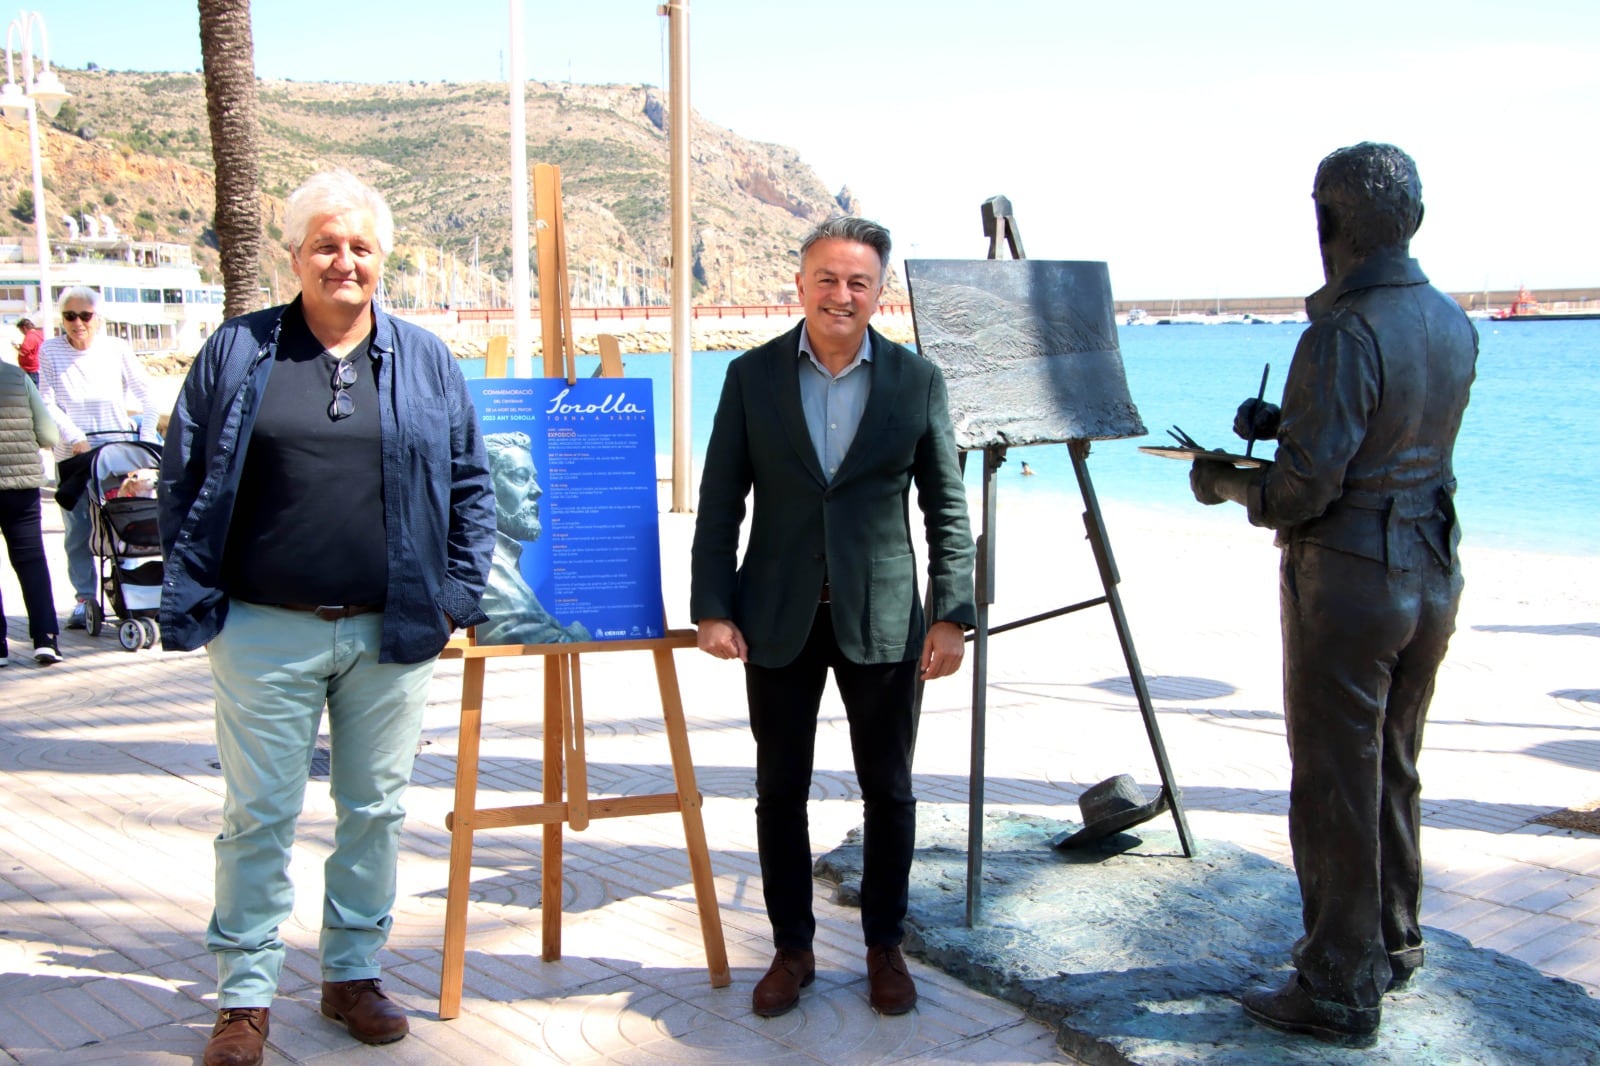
[(1028, 348)]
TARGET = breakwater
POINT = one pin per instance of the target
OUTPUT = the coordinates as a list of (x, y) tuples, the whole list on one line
[(1573, 299)]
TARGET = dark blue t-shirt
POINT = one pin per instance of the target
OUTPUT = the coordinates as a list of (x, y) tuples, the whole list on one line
[(308, 524)]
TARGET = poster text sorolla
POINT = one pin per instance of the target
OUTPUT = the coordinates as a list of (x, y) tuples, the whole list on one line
[(575, 503)]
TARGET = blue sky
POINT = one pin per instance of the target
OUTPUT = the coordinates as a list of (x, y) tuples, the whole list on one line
[(1176, 140)]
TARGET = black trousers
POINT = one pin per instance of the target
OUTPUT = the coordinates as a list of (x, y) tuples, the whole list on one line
[(20, 523), (879, 702), (1361, 647)]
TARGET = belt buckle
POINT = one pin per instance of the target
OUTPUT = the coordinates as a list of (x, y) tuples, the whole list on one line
[(331, 613)]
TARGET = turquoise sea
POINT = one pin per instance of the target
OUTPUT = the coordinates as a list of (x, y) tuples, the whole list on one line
[(1528, 473)]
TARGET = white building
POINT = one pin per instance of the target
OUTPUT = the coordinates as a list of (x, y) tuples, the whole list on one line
[(151, 293)]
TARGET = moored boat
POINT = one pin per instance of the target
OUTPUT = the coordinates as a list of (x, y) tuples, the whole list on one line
[(1527, 309)]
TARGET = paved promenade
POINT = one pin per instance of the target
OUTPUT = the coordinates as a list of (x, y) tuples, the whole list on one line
[(110, 798)]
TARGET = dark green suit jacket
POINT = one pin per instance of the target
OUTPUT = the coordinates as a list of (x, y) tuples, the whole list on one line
[(856, 530)]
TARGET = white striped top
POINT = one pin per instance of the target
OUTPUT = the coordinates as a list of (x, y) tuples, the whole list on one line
[(90, 391)]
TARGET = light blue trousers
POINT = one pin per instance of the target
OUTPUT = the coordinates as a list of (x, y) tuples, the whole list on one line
[(82, 570), (273, 671)]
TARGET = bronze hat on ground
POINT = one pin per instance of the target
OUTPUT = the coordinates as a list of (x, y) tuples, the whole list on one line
[(1113, 805)]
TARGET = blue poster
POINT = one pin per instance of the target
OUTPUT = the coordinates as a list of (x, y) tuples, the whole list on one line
[(577, 547)]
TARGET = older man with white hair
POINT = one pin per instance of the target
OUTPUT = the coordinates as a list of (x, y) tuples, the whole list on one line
[(327, 519)]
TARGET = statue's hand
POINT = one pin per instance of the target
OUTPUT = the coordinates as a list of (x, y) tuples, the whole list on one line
[(1205, 479), (1256, 420)]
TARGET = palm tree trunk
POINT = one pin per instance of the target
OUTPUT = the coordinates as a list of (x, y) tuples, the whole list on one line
[(229, 58)]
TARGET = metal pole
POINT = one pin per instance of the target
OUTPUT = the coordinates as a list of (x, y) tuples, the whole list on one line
[(46, 306), (984, 595), (677, 13), (521, 288), (32, 80)]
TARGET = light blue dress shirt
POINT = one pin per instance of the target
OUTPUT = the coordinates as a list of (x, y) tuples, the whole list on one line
[(833, 404)]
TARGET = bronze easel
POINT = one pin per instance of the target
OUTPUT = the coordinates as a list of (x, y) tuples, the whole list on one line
[(1001, 227), (566, 799)]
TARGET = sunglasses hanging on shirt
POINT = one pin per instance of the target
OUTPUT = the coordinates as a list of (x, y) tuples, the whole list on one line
[(343, 405)]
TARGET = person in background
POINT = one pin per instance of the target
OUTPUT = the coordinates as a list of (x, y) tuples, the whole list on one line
[(28, 348), (25, 427), (87, 378), (327, 521), (830, 426), (1362, 497)]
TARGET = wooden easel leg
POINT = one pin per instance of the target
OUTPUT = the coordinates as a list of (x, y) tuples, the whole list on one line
[(694, 831), (452, 967), (551, 895), (577, 760)]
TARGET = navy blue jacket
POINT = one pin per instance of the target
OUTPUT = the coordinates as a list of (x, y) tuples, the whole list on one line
[(438, 503)]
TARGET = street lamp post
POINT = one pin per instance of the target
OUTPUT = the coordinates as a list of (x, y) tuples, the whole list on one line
[(38, 89)]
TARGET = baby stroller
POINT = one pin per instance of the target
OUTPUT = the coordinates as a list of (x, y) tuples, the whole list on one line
[(125, 539)]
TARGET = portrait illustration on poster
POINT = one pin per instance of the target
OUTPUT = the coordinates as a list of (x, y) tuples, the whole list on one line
[(577, 549)]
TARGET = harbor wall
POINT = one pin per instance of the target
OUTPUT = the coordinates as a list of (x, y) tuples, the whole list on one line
[(1575, 299)]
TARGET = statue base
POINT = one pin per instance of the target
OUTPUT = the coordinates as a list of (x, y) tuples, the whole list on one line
[(1138, 955)]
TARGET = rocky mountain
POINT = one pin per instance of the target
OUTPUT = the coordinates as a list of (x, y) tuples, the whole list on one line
[(136, 147)]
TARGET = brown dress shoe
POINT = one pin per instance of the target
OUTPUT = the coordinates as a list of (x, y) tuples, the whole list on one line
[(779, 990), (890, 984), (369, 1015), (238, 1037)]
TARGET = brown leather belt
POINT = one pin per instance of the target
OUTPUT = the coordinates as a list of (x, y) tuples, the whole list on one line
[(824, 596), (330, 613)]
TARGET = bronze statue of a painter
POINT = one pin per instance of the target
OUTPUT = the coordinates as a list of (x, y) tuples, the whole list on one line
[(1361, 495)]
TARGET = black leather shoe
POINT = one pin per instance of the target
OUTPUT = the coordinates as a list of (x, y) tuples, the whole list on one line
[(1292, 1010), (369, 1015), (890, 987), (778, 991), (238, 1037)]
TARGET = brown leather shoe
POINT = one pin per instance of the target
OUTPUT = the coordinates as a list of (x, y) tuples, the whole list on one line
[(779, 990), (369, 1015), (238, 1037), (892, 991)]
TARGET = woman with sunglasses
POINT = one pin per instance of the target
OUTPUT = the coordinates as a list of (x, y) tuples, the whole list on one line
[(88, 381)]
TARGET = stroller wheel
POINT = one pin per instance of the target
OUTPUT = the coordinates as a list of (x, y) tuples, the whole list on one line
[(131, 634), (93, 616), (152, 633)]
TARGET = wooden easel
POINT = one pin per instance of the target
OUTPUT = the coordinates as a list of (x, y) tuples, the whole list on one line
[(564, 756), (566, 799)]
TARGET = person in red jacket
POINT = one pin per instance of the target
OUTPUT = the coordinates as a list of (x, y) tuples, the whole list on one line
[(28, 348)]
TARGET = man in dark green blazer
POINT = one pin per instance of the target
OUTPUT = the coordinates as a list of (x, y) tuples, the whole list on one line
[(831, 425)]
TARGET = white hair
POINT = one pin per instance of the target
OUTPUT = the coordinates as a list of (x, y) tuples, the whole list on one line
[(81, 293), (334, 192)]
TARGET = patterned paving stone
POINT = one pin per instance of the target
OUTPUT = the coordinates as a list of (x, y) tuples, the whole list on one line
[(111, 799)]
